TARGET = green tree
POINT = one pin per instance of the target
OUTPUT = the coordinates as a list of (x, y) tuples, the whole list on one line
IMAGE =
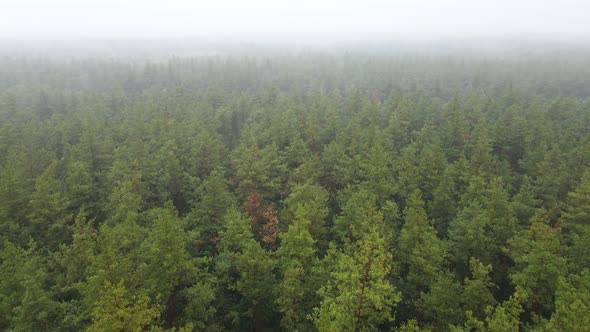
[(524, 202), (572, 303), (50, 219), (350, 224), (70, 267), (441, 305), (296, 259), (79, 187), (262, 169), (539, 260), (168, 267), (443, 207), (577, 223), (376, 171), (311, 201), (117, 310), (550, 184), (421, 253), (213, 200), (432, 163), (26, 303), (234, 234), (478, 289), (481, 161), (578, 202), (255, 269), (297, 244), (468, 238), (358, 296), (504, 317), (14, 198), (407, 172)]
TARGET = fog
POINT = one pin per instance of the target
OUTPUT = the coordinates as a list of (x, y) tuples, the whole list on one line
[(304, 21), (150, 29)]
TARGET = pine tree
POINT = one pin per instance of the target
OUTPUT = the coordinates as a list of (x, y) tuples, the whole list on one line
[(481, 161), (550, 186), (70, 267), (578, 203), (441, 305), (572, 304), (443, 207), (421, 253), (117, 310), (168, 267), (14, 198), (468, 238), (296, 259), (431, 165), (407, 172), (213, 200), (312, 201), (255, 269), (478, 289), (524, 202), (539, 261), (376, 171), (350, 224), (577, 221), (297, 245), (235, 233), (504, 317), (79, 187), (359, 296), (26, 303), (50, 219)]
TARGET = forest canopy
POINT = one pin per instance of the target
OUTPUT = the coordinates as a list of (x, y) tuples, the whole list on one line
[(306, 192)]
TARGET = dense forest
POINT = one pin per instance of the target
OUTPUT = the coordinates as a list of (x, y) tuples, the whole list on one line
[(308, 192)]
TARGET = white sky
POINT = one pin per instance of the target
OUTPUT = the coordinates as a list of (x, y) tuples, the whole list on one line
[(280, 19)]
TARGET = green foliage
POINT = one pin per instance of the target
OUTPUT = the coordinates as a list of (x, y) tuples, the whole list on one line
[(262, 169), (297, 244), (310, 201), (358, 295), (539, 263), (50, 220), (198, 312), (358, 209), (443, 207), (478, 289), (572, 303), (213, 200), (524, 202), (297, 255), (421, 253), (309, 192), (467, 236), (407, 172), (26, 304), (255, 269), (504, 317), (14, 198), (116, 310), (441, 306), (578, 202)]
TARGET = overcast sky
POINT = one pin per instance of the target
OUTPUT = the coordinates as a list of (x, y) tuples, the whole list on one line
[(297, 19)]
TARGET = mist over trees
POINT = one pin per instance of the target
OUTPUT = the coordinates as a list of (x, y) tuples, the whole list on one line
[(296, 192)]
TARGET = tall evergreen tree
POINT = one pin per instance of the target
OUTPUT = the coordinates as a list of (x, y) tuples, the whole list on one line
[(421, 253)]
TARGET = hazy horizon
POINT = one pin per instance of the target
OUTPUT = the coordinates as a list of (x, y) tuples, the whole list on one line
[(285, 22)]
